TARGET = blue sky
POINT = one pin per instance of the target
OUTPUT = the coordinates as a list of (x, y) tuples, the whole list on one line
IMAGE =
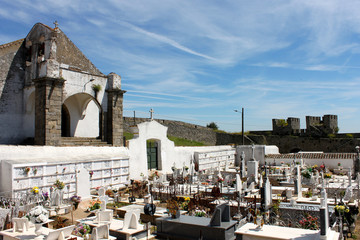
[(197, 61)]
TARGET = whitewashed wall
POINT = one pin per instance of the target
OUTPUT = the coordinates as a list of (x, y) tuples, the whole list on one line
[(169, 154), (259, 152), (110, 166)]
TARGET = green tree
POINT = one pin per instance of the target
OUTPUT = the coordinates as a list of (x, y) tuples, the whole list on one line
[(213, 126)]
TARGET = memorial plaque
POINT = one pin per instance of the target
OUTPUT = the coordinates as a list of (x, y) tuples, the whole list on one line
[(87, 166), (107, 181), (107, 164), (51, 169), (36, 182), (124, 170), (116, 163), (97, 183), (50, 179), (98, 165), (125, 163), (107, 173), (19, 172), (23, 183)]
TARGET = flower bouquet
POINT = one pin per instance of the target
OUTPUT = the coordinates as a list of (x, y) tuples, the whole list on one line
[(94, 205), (26, 170), (200, 213), (82, 230), (75, 200), (59, 184), (38, 214), (34, 190)]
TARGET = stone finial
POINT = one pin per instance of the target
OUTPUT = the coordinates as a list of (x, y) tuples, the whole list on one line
[(114, 81)]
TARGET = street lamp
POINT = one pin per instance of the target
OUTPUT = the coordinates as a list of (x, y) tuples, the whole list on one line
[(91, 80), (242, 124), (357, 163)]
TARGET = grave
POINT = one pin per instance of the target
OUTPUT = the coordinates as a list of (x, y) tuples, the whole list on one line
[(190, 227)]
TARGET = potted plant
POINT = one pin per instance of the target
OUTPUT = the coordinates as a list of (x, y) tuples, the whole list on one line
[(96, 88)]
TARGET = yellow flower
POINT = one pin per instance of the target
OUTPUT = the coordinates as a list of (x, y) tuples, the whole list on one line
[(347, 210), (35, 190), (187, 199)]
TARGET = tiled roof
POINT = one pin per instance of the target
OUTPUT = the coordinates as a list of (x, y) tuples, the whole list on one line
[(312, 156), (17, 42)]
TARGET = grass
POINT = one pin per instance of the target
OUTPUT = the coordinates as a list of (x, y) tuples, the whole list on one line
[(128, 135), (184, 142)]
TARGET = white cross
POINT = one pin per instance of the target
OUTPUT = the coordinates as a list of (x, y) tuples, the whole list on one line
[(151, 114)]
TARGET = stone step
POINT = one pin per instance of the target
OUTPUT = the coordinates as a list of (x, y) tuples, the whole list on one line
[(82, 141)]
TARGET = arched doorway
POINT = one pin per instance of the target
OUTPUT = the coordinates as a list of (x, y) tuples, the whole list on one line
[(152, 149), (65, 121), (81, 116)]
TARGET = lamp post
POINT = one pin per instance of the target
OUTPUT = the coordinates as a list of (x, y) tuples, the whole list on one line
[(357, 161), (242, 124), (91, 80)]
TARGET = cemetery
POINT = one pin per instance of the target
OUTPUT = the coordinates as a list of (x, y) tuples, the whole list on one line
[(79, 179), (223, 194)]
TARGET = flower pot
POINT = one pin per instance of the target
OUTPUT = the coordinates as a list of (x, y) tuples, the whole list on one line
[(38, 229)]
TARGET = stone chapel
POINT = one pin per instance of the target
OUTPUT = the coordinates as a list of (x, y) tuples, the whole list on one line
[(50, 92), (62, 119)]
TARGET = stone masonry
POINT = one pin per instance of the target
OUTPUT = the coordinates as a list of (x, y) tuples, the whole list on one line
[(48, 100)]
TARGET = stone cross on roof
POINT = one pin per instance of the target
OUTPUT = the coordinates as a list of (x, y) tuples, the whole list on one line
[(56, 24), (151, 114)]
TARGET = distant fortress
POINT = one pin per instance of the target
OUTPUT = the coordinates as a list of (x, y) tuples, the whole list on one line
[(315, 126)]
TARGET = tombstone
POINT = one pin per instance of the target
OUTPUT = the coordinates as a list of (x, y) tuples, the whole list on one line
[(131, 220), (243, 170), (192, 172), (83, 183), (244, 185), (252, 170), (349, 177), (252, 186), (104, 216), (292, 201), (101, 232), (56, 199), (324, 215), (288, 193), (348, 194), (20, 224), (267, 200), (297, 182), (238, 186), (104, 200), (148, 198), (261, 181), (226, 164), (221, 214), (101, 191)]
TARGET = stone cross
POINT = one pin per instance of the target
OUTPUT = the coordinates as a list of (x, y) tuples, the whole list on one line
[(151, 114), (56, 24)]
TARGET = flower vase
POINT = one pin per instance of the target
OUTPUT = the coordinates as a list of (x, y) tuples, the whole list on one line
[(38, 229), (259, 222)]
